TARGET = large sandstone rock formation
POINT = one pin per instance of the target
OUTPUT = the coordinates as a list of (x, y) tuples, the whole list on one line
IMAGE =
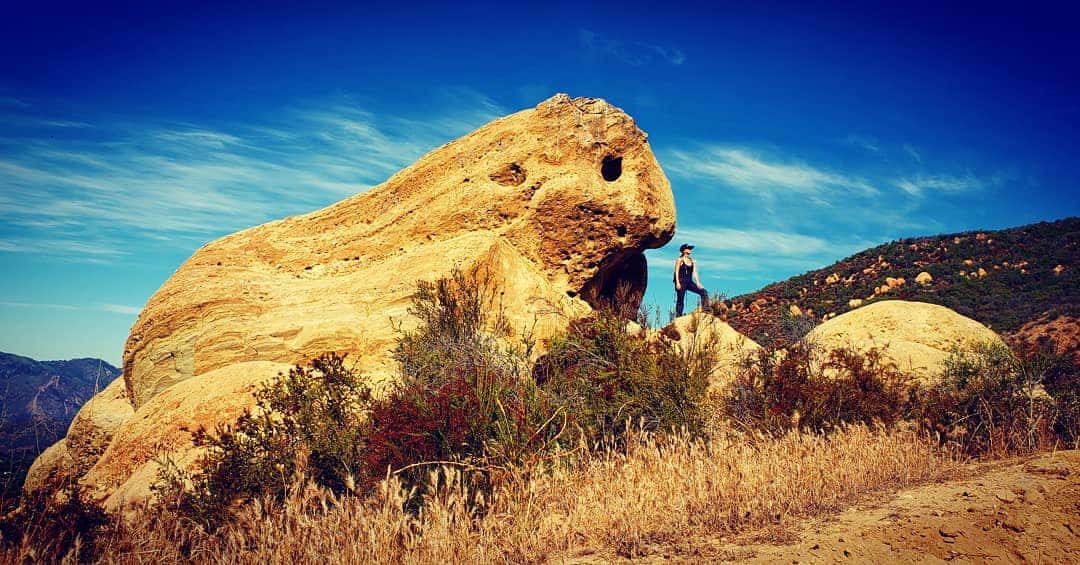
[(555, 203), (916, 336)]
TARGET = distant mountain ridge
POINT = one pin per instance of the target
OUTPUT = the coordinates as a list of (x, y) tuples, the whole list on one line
[(39, 400), (1022, 282)]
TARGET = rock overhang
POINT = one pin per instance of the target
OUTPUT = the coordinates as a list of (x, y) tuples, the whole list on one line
[(557, 201)]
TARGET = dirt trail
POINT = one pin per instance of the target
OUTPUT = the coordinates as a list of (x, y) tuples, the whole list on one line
[(1023, 512), (1017, 511)]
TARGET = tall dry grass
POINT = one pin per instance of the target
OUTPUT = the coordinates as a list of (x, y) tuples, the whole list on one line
[(655, 493)]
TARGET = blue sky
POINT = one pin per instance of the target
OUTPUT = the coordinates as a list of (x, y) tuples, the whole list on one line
[(131, 134)]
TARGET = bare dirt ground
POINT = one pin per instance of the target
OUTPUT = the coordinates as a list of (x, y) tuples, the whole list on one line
[(1015, 511)]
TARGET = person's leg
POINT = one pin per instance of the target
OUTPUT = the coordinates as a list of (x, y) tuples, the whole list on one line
[(703, 296), (680, 297)]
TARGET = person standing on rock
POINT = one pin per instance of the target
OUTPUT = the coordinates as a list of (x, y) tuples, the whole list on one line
[(686, 278)]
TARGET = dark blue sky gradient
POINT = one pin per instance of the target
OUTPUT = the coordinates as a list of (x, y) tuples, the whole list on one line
[(793, 133)]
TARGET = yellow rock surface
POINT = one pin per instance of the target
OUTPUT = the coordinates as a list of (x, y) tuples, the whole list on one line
[(555, 203), (162, 429), (88, 436), (915, 335), (699, 329), (55, 463), (528, 194)]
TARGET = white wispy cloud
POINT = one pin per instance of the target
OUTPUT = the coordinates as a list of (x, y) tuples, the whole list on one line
[(121, 309), (743, 169), (634, 53), (94, 199), (39, 305), (65, 124), (113, 308), (863, 142), (922, 184), (768, 243), (12, 102), (86, 251), (913, 153)]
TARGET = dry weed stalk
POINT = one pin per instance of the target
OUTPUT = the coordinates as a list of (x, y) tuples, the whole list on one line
[(656, 492)]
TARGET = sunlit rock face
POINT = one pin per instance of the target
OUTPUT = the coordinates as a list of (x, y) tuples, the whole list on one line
[(916, 336), (559, 201), (555, 203)]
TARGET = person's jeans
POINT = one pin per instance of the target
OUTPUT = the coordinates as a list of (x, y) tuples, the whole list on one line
[(680, 296)]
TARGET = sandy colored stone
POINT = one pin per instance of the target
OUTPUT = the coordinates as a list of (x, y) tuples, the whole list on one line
[(554, 205), (162, 429), (525, 195), (700, 329), (915, 335), (924, 278), (54, 465), (87, 437), (93, 427)]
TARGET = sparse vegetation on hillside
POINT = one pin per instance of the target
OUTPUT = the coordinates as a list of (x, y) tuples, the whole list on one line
[(1001, 278)]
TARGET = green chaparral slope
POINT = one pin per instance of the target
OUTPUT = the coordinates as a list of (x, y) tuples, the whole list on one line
[(1004, 279)]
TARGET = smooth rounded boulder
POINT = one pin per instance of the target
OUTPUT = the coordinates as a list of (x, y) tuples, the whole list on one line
[(916, 336), (728, 348)]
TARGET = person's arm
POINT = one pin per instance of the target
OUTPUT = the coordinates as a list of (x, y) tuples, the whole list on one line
[(678, 284), (697, 281)]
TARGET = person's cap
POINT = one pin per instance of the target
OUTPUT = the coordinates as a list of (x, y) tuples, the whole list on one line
[(684, 247)]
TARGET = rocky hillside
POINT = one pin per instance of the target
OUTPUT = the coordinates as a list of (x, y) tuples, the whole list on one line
[(1021, 282), (39, 400)]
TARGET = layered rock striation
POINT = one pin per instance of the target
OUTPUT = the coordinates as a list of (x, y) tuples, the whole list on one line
[(558, 201), (555, 204)]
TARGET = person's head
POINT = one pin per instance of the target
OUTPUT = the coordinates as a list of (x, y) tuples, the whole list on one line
[(685, 249)]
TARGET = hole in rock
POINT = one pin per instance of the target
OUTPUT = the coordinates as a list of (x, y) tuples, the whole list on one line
[(611, 168), (512, 174), (619, 284)]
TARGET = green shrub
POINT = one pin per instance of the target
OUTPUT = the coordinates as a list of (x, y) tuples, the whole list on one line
[(464, 397), (461, 317), (782, 389), (991, 402), (605, 378), (311, 422)]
